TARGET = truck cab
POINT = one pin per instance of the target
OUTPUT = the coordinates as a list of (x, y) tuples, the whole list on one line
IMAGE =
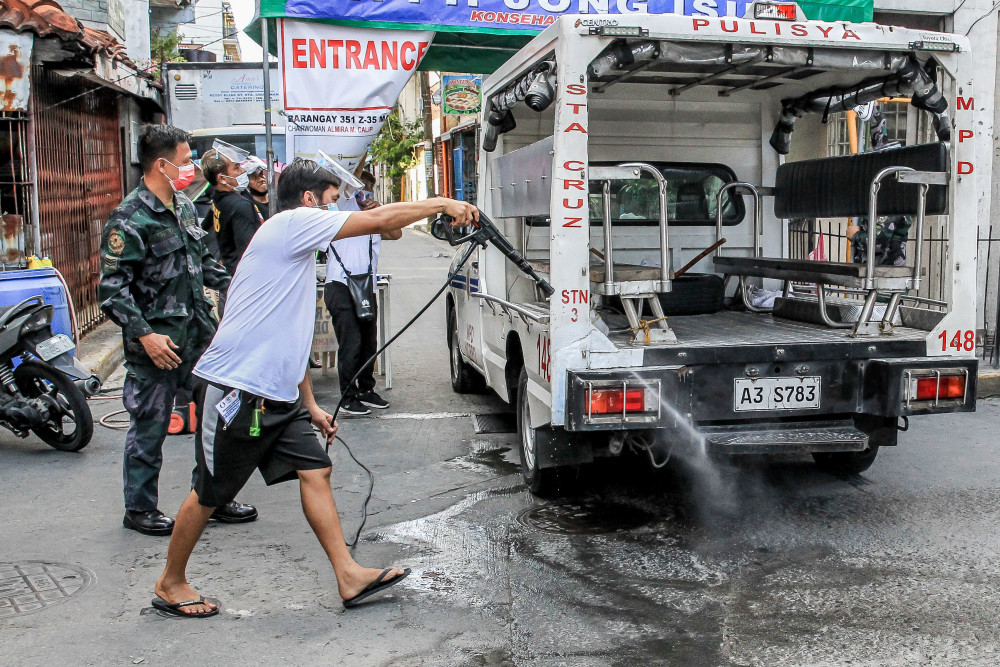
[(659, 171)]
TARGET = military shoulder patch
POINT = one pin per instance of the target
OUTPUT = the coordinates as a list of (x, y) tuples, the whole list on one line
[(110, 263), (116, 242)]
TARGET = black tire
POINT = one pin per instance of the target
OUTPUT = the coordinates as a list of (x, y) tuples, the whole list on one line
[(464, 378), (694, 294), (846, 463), (38, 379), (543, 482)]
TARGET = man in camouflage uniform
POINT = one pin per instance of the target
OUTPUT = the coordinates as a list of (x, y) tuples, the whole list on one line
[(154, 267), (890, 240)]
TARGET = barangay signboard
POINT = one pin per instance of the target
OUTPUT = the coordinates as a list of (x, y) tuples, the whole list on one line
[(339, 84)]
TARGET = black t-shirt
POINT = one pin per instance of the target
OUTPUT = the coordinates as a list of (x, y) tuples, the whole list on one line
[(236, 221), (262, 208)]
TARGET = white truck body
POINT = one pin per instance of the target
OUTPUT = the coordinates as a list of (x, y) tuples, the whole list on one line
[(548, 167)]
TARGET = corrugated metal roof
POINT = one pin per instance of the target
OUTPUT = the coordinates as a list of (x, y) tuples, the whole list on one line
[(46, 18)]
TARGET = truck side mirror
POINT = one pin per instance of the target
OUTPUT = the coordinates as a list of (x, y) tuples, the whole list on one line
[(438, 230)]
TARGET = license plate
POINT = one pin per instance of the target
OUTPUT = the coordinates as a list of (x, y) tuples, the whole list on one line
[(53, 347), (776, 394)]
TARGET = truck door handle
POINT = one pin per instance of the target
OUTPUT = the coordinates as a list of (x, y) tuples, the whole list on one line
[(475, 265)]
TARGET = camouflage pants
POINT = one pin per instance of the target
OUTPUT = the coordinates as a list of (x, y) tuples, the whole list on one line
[(148, 396)]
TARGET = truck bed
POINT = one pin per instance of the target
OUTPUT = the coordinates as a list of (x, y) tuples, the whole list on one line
[(729, 336)]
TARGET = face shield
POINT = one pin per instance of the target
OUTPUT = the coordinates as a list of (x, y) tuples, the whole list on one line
[(350, 185), (232, 153), (254, 165)]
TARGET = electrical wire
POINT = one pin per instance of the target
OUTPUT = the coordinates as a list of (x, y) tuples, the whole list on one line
[(992, 9), (371, 360)]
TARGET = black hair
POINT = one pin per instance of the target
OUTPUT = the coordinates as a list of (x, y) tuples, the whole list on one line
[(159, 141), (300, 177), (213, 164)]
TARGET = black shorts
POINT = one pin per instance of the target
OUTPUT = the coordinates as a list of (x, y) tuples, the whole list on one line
[(227, 454)]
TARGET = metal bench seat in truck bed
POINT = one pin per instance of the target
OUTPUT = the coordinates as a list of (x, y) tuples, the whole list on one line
[(805, 270), (904, 181)]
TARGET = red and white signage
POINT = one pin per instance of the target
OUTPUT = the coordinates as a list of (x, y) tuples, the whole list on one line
[(339, 84)]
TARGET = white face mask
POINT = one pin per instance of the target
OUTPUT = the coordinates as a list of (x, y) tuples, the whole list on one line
[(332, 206), (242, 181)]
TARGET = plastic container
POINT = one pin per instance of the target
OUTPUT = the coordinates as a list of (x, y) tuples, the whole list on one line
[(16, 286)]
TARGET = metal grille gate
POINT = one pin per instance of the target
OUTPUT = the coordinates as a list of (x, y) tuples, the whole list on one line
[(79, 180), (15, 190)]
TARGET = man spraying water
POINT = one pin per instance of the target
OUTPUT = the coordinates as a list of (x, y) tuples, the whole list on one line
[(259, 409)]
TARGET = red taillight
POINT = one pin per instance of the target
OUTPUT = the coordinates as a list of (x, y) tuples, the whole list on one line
[(950, 386), (609, 401)]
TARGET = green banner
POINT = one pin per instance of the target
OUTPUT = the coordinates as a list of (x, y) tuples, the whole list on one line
[(478, 37)]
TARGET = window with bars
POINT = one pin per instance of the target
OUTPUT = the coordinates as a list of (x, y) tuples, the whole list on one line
[(837, 138), (15, 191), (897, 121)]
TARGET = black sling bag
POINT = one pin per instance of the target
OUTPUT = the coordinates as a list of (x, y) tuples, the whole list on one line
[(361, 286)]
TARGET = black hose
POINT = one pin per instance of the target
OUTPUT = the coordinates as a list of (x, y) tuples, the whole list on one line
[(371, 360)]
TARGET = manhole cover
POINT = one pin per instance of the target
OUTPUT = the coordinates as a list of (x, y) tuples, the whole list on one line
[(505, 422), (31, 586), (584, 518)]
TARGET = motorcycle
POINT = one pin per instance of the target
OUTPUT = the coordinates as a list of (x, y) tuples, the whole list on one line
[(46, 392)]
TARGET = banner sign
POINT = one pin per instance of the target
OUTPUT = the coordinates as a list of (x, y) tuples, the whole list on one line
[(461, 94), (339, 84), (529, 16)]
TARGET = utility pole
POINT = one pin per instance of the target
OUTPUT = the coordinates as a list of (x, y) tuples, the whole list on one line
[(272, 199), (425, 97)]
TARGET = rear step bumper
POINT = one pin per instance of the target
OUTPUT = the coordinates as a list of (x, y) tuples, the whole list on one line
[(837, 436)]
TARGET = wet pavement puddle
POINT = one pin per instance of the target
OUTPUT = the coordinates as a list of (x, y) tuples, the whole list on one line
[(587, 517)]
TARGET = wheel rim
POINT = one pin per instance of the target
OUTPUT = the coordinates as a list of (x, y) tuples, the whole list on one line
[(527, 436), (456, 356)]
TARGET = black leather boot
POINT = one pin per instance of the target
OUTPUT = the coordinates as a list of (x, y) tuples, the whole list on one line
[(235, 512), (148, 523)]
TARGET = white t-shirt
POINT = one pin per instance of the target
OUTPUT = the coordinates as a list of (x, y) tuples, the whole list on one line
[(353, 251), (263, 342)]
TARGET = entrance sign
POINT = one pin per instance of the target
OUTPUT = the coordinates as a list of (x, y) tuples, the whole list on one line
[(339, 84)]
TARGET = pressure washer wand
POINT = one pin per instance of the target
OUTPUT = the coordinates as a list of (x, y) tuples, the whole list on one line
[(486, 233)]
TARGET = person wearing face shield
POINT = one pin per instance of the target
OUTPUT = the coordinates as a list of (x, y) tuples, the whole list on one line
[(257, 189), (259, 408), (235, 219), (154, 268), (357, 338)]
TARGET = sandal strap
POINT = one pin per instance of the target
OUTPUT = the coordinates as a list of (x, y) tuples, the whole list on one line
[(190, 603)]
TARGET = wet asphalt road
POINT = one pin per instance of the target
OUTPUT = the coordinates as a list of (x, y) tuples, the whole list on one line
[(771, 563)]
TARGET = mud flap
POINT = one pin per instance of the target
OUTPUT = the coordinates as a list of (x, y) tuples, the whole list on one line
[(556, 448)]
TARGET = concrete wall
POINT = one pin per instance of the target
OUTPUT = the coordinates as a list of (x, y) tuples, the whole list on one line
[(137, 30), (409, 110), (106, 15)]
